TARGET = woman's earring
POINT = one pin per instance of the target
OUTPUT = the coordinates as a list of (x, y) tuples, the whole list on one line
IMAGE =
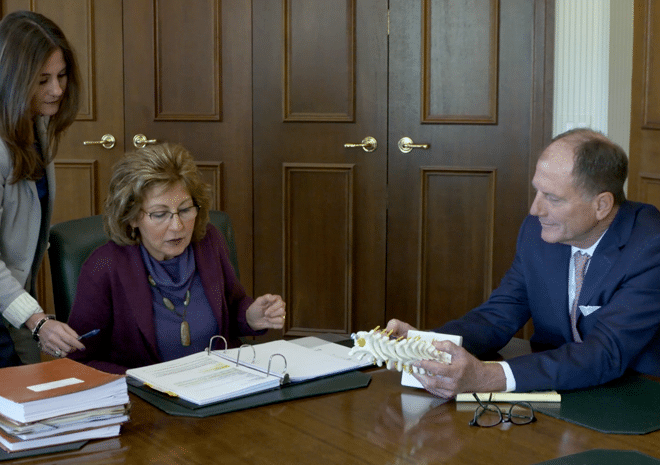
[(134, 234)]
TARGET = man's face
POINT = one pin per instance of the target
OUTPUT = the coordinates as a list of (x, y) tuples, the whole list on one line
[(567, 215)]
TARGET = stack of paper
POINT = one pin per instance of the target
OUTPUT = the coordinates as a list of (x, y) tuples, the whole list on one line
[(202, 379), (58, 402)]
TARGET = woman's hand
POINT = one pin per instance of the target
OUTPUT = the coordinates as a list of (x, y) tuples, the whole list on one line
[(267, 311), (55, 338)]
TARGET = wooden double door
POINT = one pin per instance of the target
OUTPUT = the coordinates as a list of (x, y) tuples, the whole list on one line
[(420, 232), (267, 93)]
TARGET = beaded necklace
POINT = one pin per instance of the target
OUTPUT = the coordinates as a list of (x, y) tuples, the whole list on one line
[(185, 327)]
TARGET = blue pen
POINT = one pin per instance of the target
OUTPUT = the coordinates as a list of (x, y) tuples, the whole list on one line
[(93, 332)]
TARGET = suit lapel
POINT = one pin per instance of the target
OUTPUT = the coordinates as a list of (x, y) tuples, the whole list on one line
[(607, 253), (561, 297)]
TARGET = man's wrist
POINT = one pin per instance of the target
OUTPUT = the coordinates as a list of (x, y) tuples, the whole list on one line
[(495, 379)]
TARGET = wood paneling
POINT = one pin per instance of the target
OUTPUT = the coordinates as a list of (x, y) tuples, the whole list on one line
[(279, 143), (460, 52), (319, 48), (474, 68), (489, 109), (77, 189), (649, 188), (651, 96), (213, 173), (645, 102), (188, 80), (188, 85), (456, 251), (318, 247), (83, 172)]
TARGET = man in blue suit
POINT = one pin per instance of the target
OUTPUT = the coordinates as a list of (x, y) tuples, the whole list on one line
[(586, 271)]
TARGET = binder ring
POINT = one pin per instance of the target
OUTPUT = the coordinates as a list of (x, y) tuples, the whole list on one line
[(238, 354), (271, 359), (208, 349)]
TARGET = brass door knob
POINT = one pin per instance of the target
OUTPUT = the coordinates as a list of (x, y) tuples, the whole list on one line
[(107, 141), (406, 145), (140, 140), (368, 144)]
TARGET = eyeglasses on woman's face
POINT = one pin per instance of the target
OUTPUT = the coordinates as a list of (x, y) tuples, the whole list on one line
[(161, 217)]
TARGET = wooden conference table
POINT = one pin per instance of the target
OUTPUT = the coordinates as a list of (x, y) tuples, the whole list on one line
[(382, 424)]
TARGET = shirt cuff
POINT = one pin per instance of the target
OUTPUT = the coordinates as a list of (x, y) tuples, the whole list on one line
[(510, 379), (21, 309)]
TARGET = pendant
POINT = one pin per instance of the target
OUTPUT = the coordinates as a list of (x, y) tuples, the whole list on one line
[(185, 334), (168, 303)]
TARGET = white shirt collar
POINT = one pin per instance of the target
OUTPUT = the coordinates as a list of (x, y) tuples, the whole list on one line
[(590, 250)]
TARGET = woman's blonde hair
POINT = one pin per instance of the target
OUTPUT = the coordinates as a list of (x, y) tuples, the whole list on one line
[(27, 41), (158, 165)]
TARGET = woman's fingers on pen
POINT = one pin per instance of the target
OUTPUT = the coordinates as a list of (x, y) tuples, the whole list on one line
[(60, 337)]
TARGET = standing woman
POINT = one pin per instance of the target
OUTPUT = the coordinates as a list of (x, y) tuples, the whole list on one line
[(39, 97)]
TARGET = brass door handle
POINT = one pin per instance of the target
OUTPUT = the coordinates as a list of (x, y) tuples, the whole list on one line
[(406, 145), (140, 140), (107, 141), (368, 144)]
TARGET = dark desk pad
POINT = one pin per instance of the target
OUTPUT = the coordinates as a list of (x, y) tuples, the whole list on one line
[(604, 457), (41, 451), (628, 405), (179, 407)]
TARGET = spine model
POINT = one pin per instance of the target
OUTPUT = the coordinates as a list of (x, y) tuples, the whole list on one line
[(397, 354)]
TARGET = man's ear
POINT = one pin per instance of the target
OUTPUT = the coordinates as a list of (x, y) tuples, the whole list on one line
[(604, 204)]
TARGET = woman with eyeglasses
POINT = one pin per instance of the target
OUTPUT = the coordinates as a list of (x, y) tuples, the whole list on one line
[(164, 284), (39, 99)]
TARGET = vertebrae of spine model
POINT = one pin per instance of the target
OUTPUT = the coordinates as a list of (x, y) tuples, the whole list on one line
[(397, 354)]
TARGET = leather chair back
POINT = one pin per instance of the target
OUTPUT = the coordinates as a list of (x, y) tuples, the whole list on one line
[(72, 242)]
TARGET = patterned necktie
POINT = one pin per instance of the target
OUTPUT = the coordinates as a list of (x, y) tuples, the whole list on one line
[(581, 261)]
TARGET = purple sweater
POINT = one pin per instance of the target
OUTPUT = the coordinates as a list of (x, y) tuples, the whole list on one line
[(113, 295)]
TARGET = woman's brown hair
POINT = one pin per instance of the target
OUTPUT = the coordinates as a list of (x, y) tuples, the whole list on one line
[(27, 41), (155, 165)]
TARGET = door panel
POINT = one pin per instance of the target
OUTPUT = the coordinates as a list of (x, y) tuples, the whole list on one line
[(320, 81), (83, 171), (459, 60), (188, 80), (466, 77), (193, 89), (644, 179), (472, 101)]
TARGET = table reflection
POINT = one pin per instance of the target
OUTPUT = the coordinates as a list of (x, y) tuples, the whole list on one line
[(418, 426)]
